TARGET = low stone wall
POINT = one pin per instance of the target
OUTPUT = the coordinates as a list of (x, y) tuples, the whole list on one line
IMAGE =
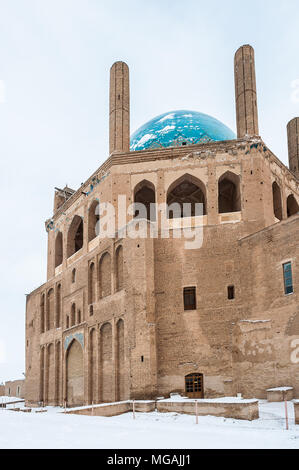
[(248, 410), (296, 408), (114, 409), (111, 409), (280, 394)]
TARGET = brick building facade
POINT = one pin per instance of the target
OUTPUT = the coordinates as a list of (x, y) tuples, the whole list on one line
[(122, 318)]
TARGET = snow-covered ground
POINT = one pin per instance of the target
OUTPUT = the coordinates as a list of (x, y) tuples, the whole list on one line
[(55, 429)]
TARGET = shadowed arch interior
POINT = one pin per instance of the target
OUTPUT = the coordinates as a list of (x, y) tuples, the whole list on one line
[(93, 218), (292, 206), (119, 260), (277, 201), (145, 194), (75, 236), (229, 196), (186, 190), (58, 249)]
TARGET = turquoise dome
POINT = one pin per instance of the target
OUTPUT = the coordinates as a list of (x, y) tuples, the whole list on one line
[(179, 128)]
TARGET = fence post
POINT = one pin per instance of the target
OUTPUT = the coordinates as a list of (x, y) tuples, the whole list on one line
[(196, 411), (286, 410)]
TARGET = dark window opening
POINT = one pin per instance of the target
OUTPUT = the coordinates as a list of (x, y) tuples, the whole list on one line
[(231, 292), (229, 198), (142, 358), (288, 278), (75, 236), (145, 194), (73, 275), (91, 310), (190, 298)]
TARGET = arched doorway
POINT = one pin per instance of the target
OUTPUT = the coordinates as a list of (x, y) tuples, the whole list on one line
[(74, 375), (194, 386)]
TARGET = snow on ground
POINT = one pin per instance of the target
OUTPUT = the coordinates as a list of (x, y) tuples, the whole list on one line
[(55, 429)]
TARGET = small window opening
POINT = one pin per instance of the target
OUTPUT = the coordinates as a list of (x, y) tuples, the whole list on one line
[(288, 278), (142, 358), (73, 276), (91, 310), (190, 298), (231, 292)]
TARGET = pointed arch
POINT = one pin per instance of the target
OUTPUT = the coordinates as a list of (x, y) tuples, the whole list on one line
[(292, 205), (42, 313), (120, 360), (277, 201), (91, 283), (74, 374), (119, 261), (186, 190), (75, 236), (105, 275), (73, 315), (106, 368), (229, 195), (50, 309), (58, 249), (93, 218), (58, 306), (50, 375), (92, 366), (145, 193)]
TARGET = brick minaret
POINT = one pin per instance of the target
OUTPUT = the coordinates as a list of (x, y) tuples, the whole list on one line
[(245, 84), (293, 144), (119, 134)]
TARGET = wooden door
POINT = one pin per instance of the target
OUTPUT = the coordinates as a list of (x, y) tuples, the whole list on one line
[(194, 386)]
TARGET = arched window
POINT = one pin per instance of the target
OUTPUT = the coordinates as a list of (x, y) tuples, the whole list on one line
[(67, 321), (58, 306), (144, 193), (292, 205), (75, 236), (58, 249), (93, 218), (119, 268), (79, 318), (91, 284), (105, 275), (73, 315), (50, 309), (277, 201), (229, 197), (194, 386), (186, 190)]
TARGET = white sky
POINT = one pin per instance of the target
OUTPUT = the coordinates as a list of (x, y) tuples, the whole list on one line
[(55, 57)]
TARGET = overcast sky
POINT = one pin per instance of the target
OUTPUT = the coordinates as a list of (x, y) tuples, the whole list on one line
[(55, 57)]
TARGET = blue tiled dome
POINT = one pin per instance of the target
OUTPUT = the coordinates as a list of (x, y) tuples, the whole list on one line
[(178, 128)]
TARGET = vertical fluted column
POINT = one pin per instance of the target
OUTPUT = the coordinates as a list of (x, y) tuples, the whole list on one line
[(119, 129), (245, 86), (293, 145)]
